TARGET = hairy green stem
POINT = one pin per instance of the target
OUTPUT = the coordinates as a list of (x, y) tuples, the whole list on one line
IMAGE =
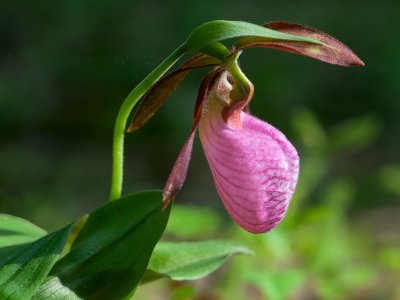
[(215, 49), (243, 88), (123, 115)]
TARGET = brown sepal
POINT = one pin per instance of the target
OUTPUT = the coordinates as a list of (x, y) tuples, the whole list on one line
[(205, 86), (332, 51), (179, 171), (160, 92)]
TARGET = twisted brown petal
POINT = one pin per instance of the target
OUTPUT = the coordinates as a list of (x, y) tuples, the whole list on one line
[(331, 50)]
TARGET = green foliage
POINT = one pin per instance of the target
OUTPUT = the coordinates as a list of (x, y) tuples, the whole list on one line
[(106, 258), (23, 267), (111, 252), (14, 230), (188, 261), (108, 253)]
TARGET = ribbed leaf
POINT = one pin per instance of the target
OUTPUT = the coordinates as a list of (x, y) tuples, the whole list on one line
[(15, 230), (110, 254), (24, 269), (188, 261)]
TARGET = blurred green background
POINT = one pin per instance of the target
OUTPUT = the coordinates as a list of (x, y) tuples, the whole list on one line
[(66, 66)]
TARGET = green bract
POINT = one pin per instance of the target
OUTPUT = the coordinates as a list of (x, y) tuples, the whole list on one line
[(221, 30)]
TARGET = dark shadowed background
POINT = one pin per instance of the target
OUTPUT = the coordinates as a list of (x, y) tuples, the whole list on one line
[(66, 66)]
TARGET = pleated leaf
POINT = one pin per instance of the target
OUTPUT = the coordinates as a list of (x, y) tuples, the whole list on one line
[(15, 230), (110, 254), (189, 261), (23, 269)]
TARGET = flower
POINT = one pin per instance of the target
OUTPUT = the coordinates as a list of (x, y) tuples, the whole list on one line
[(255, 168)]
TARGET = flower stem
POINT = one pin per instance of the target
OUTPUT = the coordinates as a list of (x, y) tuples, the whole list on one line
[(123, 115), (243, 88)]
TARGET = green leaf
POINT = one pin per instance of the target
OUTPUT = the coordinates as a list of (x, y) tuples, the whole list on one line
[(221, 29), (111, 252), (188, 261), (15, 230), (53, 288), (25, 268)]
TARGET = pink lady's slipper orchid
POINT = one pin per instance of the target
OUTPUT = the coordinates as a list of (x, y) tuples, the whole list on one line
[(255, 168)]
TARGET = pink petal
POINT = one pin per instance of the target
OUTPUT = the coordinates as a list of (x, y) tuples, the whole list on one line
[(255, 168)]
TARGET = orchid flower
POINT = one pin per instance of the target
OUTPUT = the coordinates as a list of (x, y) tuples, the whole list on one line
[(254, 166)]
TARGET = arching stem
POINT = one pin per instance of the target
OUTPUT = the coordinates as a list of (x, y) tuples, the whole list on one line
[(123, 115), (213, 49)]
